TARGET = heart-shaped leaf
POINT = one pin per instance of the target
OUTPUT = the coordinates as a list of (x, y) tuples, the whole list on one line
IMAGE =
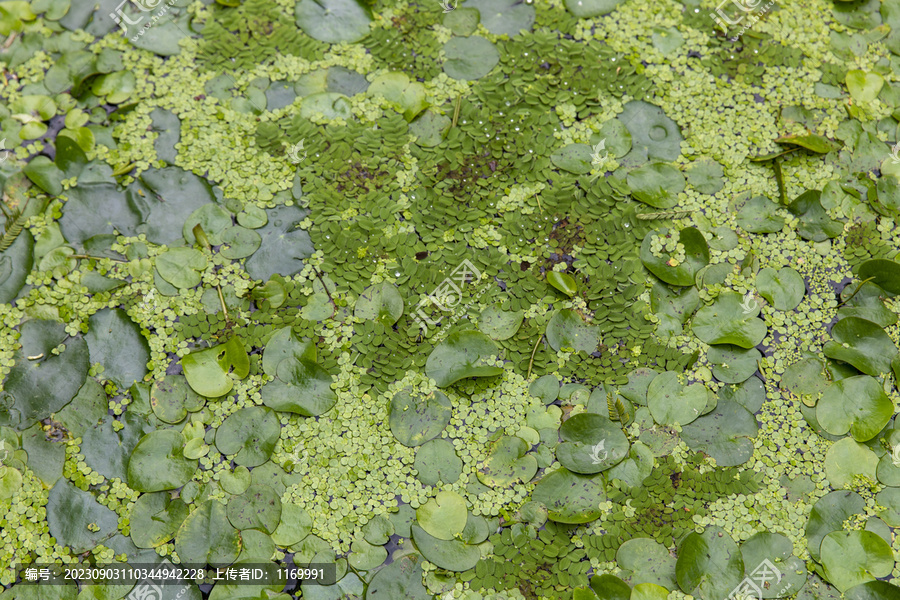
[(251, 434), (211, 372), (463, 354), (855, 404), (784, 289), (414, 419), (863, 344), (671, 402), (854, 557), (656, 184), (566, 329), (590, 443), (381, 302), (569, 497), (158, 462), (709, 564), (675, 262), (507, 463), (730, 320), (726, 434)]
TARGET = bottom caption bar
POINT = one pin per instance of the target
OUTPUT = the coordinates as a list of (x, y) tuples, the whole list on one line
[(170, 574)]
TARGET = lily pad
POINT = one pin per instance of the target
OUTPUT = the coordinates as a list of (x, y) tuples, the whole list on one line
[(156, 518), (705, 175), (283, 247), (381, 302), (654, 135), (671, 267), (400, 579), (770, 563), (760, 215), (815, 224), (504, 17), (334, 21), (86, 202), (115, 341), (828, 514), (41, 382), (462, 355), (158, 462), (569, 497), (450, 555), (807, 379), (414, 419), (726, 434), (469, 58), (408, 97), (181, 266), (250, 434), (863, 344), (854, 557), (566, 329), (590, 443), (732, 364), (444, 516), (709, 564), (499, 324), (855, 404), (584, 9), (171, 399), (644, 560), (437, 462), (784, 289), (302, 387), (285, 344), (507, 463), (259, 507), (206, 536), (70, 512), (656, 184), (866, 301), (211, 372), (573, 158), (846, 459), (636, 466), (728, 321), (863, 86), (671, 402)]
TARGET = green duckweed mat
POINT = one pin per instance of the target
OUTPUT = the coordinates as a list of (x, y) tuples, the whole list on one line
[(482, 299)]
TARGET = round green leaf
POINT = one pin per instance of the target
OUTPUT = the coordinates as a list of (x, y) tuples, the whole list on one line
[(733, 364), (155, 518), (567, 329), (855, 404), (649, 591), (709, 564), (889, 498), (407, 97), (450, 555), (210, 372), (705, 175), (863, 87), (259, 507), (863, 344), (414, 419), (504, 17), (671, 267), (430, 126), (69, 513), (873, 590), (115, 341), (866, 301), (283, 344), (378, 531), (569, 497), (777, 572), (295, 525), (590, 443), (239, 242), (181, 266), (444, 516), (636, 466), (806, 378), (573, 158), (235, 482), (615, 137), (463, 354), (436, 462), (206, 536), (507, 463), (250, 434), (301, 387), (725, 434), (644, 560), (469, 58), (364, 556), (380, 302), (41, 382), (212, 218), (499, 324), (609, 587), (656, 184), (750, 394), (654, 135), (854, 557), (829, 514), (400, 579), (847, 458), (730, 320), (784, 289), (671, 402), (333, 21), (158, 462), (171, 398), (591, 8)]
